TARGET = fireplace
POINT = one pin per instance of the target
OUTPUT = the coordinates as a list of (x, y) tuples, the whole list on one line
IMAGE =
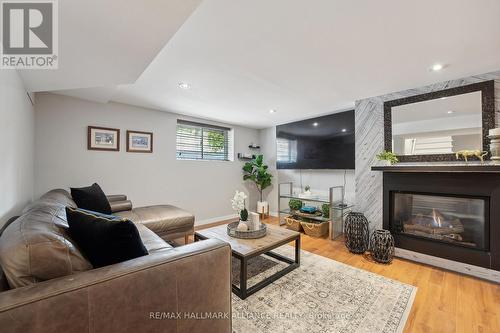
[(451, 215), (450, 219)]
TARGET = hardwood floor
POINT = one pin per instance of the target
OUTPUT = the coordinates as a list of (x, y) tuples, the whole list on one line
[(445, 301)]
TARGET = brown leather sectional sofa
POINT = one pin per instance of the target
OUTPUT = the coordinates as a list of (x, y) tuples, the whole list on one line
[(47, 285), (167, 221)]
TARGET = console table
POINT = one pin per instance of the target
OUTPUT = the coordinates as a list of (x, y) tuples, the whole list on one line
[(338, 207)]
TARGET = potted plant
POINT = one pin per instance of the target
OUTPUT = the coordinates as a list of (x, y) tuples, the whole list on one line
[(387, 157), (256, 171), (238, 204), (307, 192), (295, 204), (325, 208)]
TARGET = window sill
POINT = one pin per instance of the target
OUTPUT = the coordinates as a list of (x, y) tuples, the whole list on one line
[(202, 160)]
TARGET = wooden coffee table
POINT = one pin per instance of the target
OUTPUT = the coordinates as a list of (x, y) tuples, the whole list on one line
[(244, 249)]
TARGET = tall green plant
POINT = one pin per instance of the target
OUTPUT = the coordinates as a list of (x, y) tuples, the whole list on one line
[(256, 171)]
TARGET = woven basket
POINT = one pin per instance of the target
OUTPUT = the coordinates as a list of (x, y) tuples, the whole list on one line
[(293, 224), (315, 229)]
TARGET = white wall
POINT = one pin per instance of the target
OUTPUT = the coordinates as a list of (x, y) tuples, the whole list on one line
[(369, 114), (268, 149), (16, 150), (319, 180), (62, 159)]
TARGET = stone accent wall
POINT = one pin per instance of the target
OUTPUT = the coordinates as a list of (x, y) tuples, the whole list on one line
[(369, 116)]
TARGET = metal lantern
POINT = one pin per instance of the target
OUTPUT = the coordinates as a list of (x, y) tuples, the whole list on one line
[(382, 246), (356, 232)]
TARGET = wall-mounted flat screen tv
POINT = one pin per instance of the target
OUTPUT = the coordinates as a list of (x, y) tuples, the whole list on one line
[(319, 143)]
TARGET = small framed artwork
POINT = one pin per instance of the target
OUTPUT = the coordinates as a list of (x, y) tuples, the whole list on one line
[(139, 142), (103, 138)]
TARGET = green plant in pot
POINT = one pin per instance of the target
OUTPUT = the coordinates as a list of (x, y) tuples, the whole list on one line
[(244, 215), (256, 172), (238, 204), (325, 208), (388, 157), (295, 204)]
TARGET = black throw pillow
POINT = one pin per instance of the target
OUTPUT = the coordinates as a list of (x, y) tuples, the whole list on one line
[(104, 240), (91, 198)]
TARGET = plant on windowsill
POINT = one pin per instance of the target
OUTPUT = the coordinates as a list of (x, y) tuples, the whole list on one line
[(256, 171), (387, 157)]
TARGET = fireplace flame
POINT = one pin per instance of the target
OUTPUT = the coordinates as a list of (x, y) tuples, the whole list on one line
[(437, 217)]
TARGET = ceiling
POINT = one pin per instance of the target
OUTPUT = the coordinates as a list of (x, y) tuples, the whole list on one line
[(303, 58), (107, 43), (463, 105), (453, 115)]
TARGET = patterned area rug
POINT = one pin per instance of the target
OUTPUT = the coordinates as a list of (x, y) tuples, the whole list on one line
[(322, 295)]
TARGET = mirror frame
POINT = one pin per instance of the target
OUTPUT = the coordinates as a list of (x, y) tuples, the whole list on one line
[(487, 89)]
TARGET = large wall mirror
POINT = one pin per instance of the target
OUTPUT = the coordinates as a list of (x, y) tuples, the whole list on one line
[(434, 126)]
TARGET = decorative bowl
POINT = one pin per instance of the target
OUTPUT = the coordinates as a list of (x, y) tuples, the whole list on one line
[(253, 234)]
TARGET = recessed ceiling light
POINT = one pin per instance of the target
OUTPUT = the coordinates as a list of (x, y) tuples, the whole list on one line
[(450, 112), (344, 130), (184, 85), (315, 124), (443, 97), (272, 111), (437, 67)]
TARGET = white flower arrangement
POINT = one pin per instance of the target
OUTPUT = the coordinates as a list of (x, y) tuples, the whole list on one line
[(238, 201)]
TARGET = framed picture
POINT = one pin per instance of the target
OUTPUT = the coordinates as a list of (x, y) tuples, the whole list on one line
[(139, 142), (103, 138)]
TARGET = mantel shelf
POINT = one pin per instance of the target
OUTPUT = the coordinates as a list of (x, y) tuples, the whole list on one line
[(488, 167)]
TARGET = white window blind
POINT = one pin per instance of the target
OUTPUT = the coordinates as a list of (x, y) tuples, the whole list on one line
[(430, 145), (286, 150), (197, 141)]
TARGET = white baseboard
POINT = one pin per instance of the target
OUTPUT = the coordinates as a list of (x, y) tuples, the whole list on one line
[(215, 219), (480, 272)]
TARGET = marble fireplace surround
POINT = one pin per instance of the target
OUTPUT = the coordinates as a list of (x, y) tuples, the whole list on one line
[(369, 124)]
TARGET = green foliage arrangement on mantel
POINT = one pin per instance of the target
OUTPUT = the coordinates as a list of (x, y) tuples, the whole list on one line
[(256, 171), (388, 156)]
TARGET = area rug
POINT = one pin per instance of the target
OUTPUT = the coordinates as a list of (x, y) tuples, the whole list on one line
[(322, 295)]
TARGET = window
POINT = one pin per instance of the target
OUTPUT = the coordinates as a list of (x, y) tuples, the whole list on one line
[(428, 145), (197, 141), (286, 150)]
